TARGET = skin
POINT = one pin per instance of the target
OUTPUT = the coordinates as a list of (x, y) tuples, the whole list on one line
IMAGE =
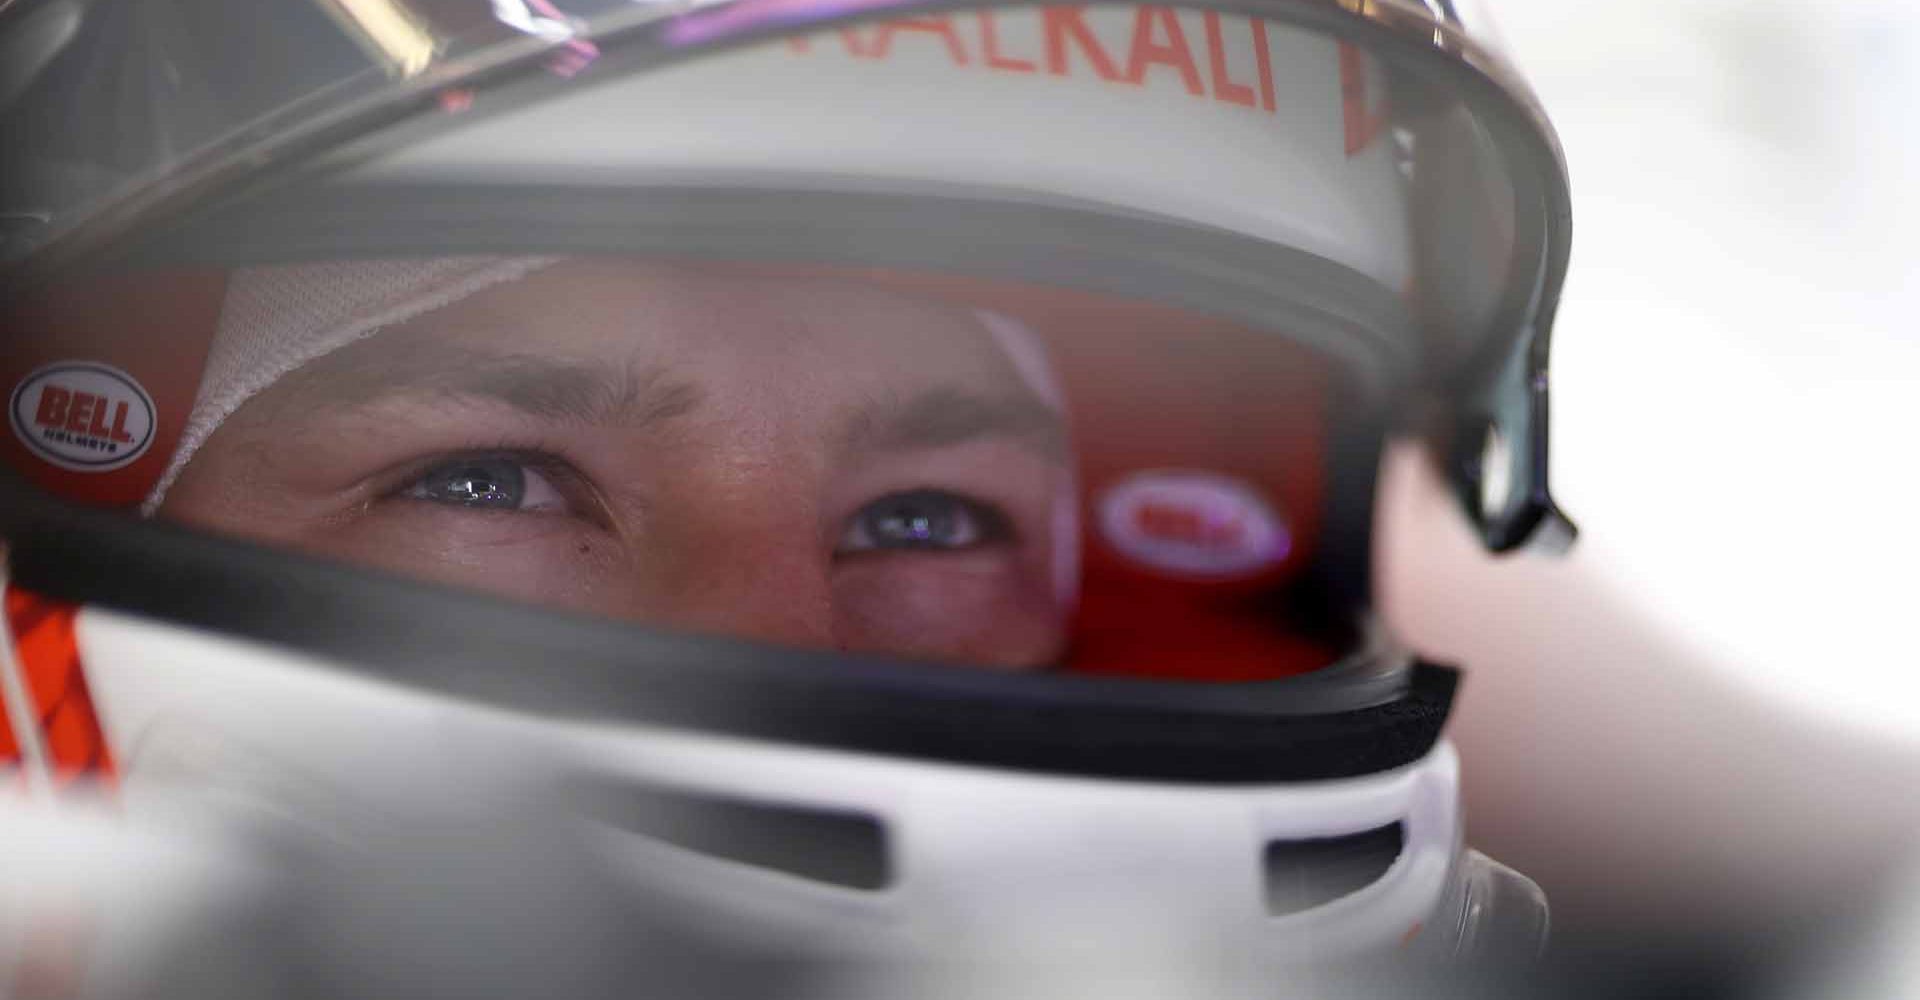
[(710, 442)]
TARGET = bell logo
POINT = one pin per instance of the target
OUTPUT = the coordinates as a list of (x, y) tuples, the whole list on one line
[(82, 412), (1197, 525), (83, 415), (1200, 526)]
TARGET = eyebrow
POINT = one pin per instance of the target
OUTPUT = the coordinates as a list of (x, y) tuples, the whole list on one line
[(950, 415), (547, 388), (636, 395)]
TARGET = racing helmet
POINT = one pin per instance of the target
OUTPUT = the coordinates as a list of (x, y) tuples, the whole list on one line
[(882, 477)]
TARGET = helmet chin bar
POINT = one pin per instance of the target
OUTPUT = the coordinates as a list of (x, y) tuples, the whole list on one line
[(816, 855), (995, 864)]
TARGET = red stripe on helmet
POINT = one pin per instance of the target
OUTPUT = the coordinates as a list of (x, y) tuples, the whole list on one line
[(47, 649), (9, 748)]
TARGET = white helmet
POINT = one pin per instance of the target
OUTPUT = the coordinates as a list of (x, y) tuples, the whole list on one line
[(620, 426)]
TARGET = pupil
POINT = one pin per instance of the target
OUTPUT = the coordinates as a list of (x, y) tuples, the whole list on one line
[(494, 484), (916, 522)]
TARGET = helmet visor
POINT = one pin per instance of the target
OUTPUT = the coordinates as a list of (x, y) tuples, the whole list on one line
[(1029, 339)]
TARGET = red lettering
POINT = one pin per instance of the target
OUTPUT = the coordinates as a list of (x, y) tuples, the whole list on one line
[(1161, 522), (855, 47), (1361, 123), (939, 25), (52, 411), (1147, 52), (80, 410), (1223, 86), (851, 39), (1263, 59), (98, 425), (1182, 524), (1065, 24), (990, 48), (120, 424)]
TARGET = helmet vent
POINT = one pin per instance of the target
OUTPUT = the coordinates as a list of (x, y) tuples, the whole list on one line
[(843, 848), (1303, 874)]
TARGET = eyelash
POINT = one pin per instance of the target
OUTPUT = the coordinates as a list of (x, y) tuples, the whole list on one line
[(996, 527), (582, 496), (987, 522)]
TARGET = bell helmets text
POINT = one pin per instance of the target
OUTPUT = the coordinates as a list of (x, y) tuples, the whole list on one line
[(83, 416)]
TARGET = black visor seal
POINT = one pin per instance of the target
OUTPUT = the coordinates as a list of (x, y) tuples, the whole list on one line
[(1346, 720)]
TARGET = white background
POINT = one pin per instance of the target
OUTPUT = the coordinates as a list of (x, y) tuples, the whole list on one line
[(1712, 708)]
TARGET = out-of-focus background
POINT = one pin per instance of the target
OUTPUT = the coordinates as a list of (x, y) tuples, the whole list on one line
[(1707, 719)]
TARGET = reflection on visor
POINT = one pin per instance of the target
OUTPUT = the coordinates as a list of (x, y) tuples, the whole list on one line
[(880, 462)]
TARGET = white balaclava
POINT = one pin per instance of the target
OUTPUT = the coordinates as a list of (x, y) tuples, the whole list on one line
[(276, 319)]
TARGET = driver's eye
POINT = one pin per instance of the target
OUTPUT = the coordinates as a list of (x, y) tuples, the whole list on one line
[(923, 519), (490, 482)]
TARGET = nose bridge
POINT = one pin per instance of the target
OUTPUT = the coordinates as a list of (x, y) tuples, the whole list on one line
[(757, 567)]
